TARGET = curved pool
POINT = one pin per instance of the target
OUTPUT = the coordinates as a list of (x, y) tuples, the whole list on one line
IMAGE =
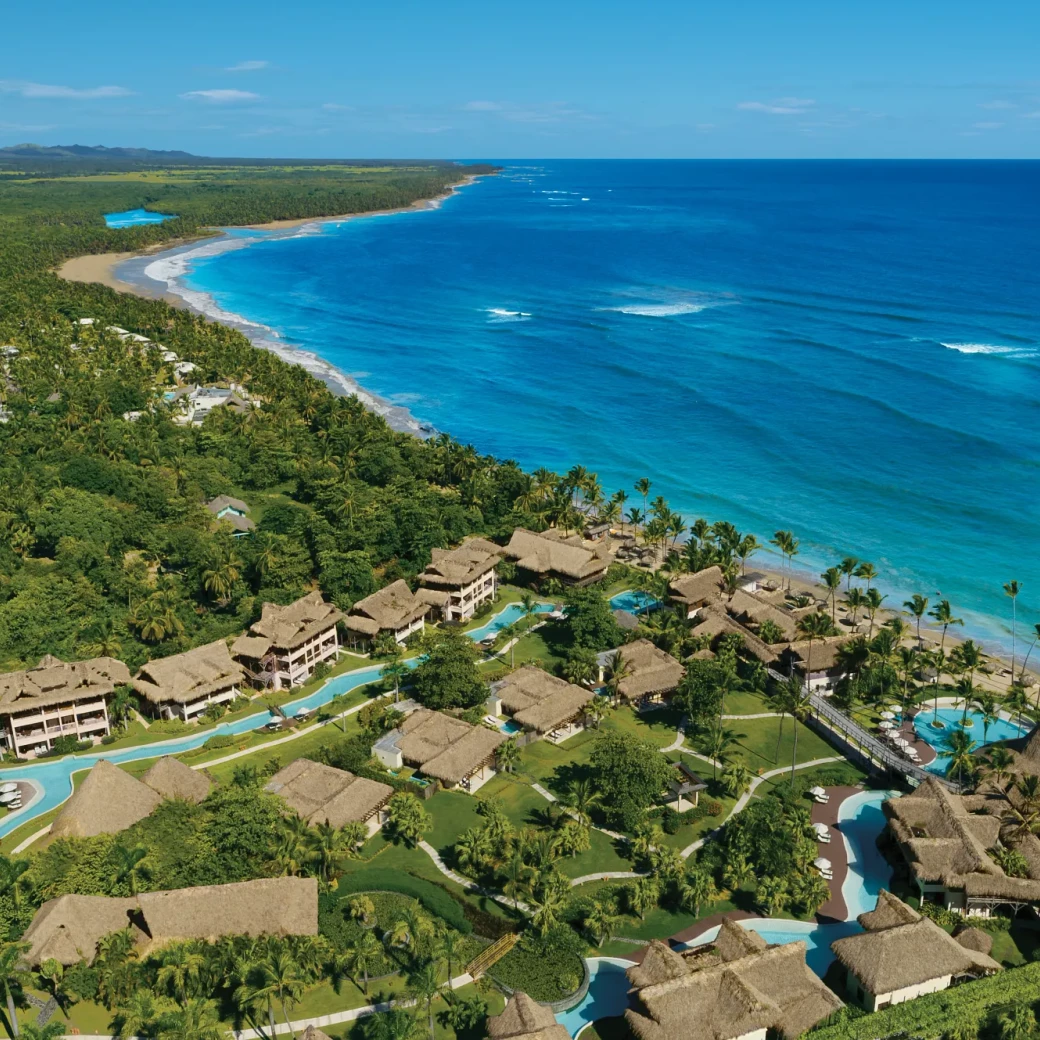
[(1001, 729), (634, 601), (504, 618), (607, 996)]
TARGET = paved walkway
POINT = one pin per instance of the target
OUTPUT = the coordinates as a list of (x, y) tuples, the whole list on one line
[(757, 715), (471, 886), (835, 850), (610, 875)]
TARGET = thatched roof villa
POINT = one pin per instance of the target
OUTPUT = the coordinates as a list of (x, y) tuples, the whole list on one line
[(109, 800), (652, 673), (57, 697), (695, 591), (440, 747), (232, 511), (68, 929), (555, 554), (946, 844), (537, 700), (738, 988), (714, 622), (181, 686), (395, 609), (525, 1019), (902, 955), (319, 793), (283, 647), (463, 577)]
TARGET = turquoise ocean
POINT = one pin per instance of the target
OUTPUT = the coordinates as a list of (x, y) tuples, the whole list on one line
[(850, 350)]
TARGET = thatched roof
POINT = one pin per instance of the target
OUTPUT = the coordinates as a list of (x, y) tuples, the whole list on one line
[(717, 999), (748, 608), (974, 939), (389, 609), (734, 942), (107, 802), (524, 1019), (320, 794), (650, 670), (215, 505), (943, 842), (551, 552), (898, 956), (694, 590), (68, 928), (286, 628), (888, 912), (314, 1033), (824, 653), (54, 681), (539, 700), (455, 568), (714, 622), (171, 778), (184, 678), (443, 747), (660, 963)]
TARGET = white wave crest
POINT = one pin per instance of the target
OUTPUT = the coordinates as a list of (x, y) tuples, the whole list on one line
[(500, 314), (981, 348), (660, 310)]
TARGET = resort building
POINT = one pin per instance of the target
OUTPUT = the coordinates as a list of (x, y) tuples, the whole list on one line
[(752, 612), (394, 609), (232, 510), (320, 794), (553, 554), (693, 592), (462, 578), (525, 1019), (109, 800), (650, 675), (181, 686), (714, 622), (193, 403), (945, 840), (284, 646), (57, 699), (540, 702), (442, 748), (823, 670), (69, 928), (901, 955), (737, 988)]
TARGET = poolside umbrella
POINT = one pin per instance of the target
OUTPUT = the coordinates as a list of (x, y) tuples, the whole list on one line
[(895, 708), (886, 725), (9, 797), (888, 716), (8, 788), (901, 742), (821, 828), (817, 790), (822, 864)]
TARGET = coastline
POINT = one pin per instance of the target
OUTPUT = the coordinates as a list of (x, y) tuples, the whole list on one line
[(154, 274)]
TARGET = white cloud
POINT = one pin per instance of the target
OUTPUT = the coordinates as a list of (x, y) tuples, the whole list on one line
[(785, 106), (248, 66), (987, 126), (997, 104), (482, 106), (221, 97), (46, 90)]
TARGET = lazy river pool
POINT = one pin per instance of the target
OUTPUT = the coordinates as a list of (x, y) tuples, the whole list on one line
[(950, 718)]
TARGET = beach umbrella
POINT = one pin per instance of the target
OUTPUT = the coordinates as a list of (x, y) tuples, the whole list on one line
[(822, 864), (888, 716), (901, 742), (886, 725), (9, 797), (8, 788)]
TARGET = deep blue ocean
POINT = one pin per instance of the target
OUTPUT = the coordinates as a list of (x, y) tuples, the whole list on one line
[(847, 349)]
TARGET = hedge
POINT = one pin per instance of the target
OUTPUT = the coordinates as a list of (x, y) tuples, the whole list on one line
[(219, 740), (436, 900), (935, 1014)]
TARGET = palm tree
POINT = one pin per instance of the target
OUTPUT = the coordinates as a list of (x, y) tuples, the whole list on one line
[(1001, 761), (364, 952), (716, 743), (14, 974), (408, 819), (508, 755), (130, 866), (1012, 589), (180, 970), (395, 671), (617, 672), (1017, 1023), (812, 627), (138, 1014), (642, 487), (517, 874), (642, 895), (855, 601), (424, 989), (966, 692), (1022, 674), (985, 704), (11, 871), (102, 640), (917, 607), (943, 614), (797, 706), (197, 1020), (737, 779), (959, 746), (1016, 700), (450, 950), (909, 657), (122, 704), (327, 847), (280, 979), (396, 1024), (831, 579), (868, 572), (872, 601), (582, 797), (848, 568), (787, 545)]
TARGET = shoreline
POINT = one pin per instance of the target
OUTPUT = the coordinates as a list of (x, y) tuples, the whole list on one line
[(141, 273)]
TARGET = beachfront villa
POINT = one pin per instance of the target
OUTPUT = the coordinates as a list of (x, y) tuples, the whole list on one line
[(737, 988), (901, 955), (693, 592), (651, 675), (442, 748), (554, 554), (57, 699), (319, 793), (182, 686), (285, 645), (713, 622), (193, 403), (945, 840), (394, 609), (462, 578), (233, 511), (109, 800), (69, 928), (752, 612), (525, 1019), (818, 664), (540, 702)]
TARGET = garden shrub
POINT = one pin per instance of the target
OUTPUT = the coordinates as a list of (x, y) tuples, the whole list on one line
[(434, 899), (545, 968), (220, 740), (671, 821)]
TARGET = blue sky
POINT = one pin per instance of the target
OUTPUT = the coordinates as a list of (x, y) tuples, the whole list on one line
[(915, 78)]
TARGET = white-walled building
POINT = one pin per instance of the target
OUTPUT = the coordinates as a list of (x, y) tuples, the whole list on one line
[(395, 609), (182, 686), (463, 578)]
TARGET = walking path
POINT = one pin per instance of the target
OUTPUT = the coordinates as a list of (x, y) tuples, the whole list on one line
[(472, 886), (835, 850), (609, 875), (757, 715)]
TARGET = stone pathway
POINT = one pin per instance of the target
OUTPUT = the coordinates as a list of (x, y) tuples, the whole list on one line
[(471, 886), (610, 875), (757, 715)]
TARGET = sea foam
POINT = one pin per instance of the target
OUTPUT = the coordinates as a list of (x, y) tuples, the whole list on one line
[(500, 314), (1001, 350)]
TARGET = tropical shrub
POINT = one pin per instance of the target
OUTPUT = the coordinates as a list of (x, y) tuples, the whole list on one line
[(545, 967), (436, 900)]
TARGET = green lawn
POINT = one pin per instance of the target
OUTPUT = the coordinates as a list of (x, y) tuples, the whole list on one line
[(745, 702)]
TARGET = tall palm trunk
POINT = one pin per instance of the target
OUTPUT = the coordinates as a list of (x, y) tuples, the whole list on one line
[(12, 1014), (794, 753), (779, 737), (270, 1017), (285, 1013)]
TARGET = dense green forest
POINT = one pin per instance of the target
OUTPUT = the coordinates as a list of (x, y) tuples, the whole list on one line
[(104, 543)]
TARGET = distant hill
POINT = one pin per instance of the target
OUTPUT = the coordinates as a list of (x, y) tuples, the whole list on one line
[(96, 151)]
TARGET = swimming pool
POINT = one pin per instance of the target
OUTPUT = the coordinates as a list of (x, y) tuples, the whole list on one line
[(134, 217), (607, 996), (1002, 729), (634, 601), (504, 618)]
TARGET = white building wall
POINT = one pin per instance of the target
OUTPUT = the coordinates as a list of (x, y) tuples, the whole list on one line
[(876, 1002)]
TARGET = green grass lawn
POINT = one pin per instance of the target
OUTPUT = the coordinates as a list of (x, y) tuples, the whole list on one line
[(745, 702)]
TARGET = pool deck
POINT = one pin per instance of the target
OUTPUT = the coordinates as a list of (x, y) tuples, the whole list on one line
[(924, 749), (835, 850), (699, 928)]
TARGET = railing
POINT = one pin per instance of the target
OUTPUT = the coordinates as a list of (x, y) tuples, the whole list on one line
[(854, 735), (492, 954)]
